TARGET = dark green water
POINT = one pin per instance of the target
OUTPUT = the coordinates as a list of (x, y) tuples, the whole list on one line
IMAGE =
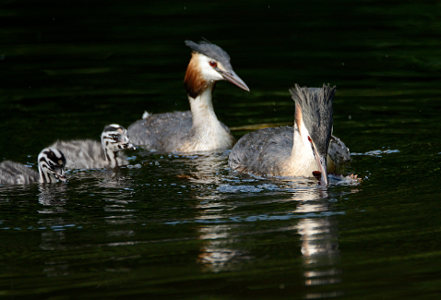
[(187, 227)]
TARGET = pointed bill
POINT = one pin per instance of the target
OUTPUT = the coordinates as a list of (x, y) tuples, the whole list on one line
[(60, 175), (232, 77), (321, 164)]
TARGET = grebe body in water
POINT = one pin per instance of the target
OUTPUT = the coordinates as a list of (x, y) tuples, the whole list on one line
[(301, 150)]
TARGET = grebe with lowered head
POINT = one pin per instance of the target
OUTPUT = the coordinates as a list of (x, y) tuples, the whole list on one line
[(301, 150), (198, 129), (90, 154), (51, 163)]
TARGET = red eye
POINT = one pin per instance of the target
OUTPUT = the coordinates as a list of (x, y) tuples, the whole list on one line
[(309, 139), (213, 64)]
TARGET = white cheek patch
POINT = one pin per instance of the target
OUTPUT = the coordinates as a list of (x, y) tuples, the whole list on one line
[(207, 71)]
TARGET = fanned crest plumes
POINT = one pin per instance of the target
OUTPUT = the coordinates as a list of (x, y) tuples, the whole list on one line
[(317, 112)]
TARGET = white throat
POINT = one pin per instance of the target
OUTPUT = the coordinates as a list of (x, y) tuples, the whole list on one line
[(202, 108), (302, 161), (208, 131)]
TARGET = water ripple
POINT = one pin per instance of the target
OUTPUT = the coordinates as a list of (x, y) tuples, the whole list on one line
[(376, 153), (44, 228), (262, 217), (227, 188)]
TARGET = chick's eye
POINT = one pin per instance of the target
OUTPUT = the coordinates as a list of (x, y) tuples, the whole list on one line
[(213, 64)]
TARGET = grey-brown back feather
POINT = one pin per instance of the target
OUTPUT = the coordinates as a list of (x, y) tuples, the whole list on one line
[(85, 154), (161, 132), (262, 152), (266, 151), (16, 173), (338, 153), (165, 132)]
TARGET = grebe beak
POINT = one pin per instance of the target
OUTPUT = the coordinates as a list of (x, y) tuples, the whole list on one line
[(322, 173), (130, 146), (60, 176), (232, 77)]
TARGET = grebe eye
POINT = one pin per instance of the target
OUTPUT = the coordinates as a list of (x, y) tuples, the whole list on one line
[(309, 139), (213, 64)]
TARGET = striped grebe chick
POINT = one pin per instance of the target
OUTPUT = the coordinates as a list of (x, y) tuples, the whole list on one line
[(90, 154), (51, 163), (301, 150), (197, 129)]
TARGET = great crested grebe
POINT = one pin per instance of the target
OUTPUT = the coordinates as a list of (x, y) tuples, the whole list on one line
[(51, 164), (90, 154), (301, 150), (198, 129)]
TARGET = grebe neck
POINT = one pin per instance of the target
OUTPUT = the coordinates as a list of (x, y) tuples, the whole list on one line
[(202, 110)]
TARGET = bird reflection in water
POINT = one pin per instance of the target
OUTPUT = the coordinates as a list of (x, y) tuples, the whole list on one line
[(216, 255), (112, 193), (319, 241), (52, 199), (206, 172), (222, 230), (205, 167), (114, 190)]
